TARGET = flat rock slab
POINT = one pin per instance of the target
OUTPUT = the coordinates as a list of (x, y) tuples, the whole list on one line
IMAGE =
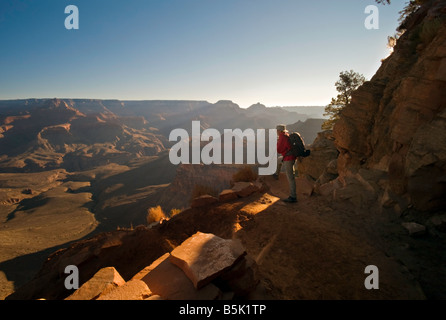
[(204, 256), (166, 280), (104, 281), (414, 228), (202, 201), (245, 189), (227, 195)]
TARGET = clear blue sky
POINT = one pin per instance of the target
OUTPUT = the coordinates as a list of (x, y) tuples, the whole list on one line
[(276, 52)]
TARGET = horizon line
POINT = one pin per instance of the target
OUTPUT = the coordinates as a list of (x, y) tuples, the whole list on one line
[(167, 100)]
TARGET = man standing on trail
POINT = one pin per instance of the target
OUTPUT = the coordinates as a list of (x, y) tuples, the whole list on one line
[(283, 147)]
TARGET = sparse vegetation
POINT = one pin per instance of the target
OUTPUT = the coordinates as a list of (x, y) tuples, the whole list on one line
[(348, 82), (245, 174), (411, 7), (155, 214), (174, 212)]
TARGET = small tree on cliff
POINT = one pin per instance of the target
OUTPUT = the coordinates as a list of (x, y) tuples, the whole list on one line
[(411, 7), (348, 82)]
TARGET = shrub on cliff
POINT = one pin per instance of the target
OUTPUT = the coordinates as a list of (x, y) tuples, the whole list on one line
[(155, 214)]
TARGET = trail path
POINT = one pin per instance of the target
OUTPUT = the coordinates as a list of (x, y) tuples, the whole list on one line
[(316, 249)]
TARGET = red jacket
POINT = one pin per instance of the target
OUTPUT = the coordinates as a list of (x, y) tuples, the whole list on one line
[(283, 146)]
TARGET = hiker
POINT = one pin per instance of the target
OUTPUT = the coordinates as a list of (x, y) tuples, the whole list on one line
[(279, 167), (283, 147)]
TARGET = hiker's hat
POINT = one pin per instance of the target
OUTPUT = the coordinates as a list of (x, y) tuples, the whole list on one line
[(281, 127)]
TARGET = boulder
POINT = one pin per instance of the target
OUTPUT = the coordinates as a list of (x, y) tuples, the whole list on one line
[(203, 201), (323, 152), (103, 282), (227, 195), (438, 222), (203, 257), (168, 281), (304, 186), (242, 278), (244, 189), (132, 290), (328, 188), (414, 229)]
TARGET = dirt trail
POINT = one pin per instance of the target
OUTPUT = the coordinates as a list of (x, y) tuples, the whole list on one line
[(316, 249)]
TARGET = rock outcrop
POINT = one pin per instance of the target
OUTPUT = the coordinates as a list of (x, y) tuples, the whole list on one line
[(321, 164), (203, 267), (391, 138)]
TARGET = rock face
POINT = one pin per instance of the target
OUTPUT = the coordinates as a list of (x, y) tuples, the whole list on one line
[(395, 126), (319, 165)]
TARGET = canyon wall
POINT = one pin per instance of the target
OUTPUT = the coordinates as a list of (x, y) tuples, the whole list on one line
[(392, 137)]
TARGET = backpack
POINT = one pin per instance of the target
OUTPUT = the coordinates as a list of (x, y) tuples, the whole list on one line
[(297, 146)]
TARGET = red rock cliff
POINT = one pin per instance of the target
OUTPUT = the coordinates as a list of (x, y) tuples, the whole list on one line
[(395, 126)]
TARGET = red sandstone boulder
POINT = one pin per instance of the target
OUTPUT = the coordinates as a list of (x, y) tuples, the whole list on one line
[(203, 257), (103, 282), (203, 201), (169, 282)]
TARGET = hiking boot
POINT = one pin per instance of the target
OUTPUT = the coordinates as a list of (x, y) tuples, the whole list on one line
[(290, 200)]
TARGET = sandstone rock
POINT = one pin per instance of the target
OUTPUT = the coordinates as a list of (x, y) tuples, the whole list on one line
[(425, 165), (155, 297), (103, 282), (202, 201), (227, 195), (304, 186), (203, 257), (438, 222), (242, 278), (396, 121), (244, 189), (257, 206), (387, 200), (323, 152), (170, 282), (328, 188), (332, 167), (132, 290), (414, 229)]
